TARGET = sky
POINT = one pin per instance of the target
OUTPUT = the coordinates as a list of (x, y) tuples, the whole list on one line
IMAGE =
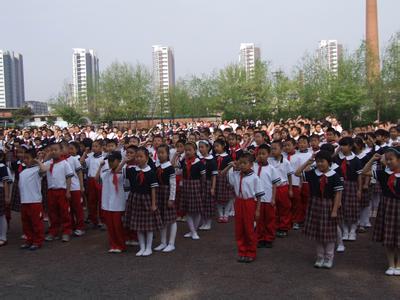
[(205, 34)]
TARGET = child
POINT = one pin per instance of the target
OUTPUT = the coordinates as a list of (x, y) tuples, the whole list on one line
[(387, 224), (315, 143), (30, 187), (59, 176), (266, 224), (17, 167), (142, 214), (248, 188), (321, 218), (166, 199), (284, 189), (5, 181), (209, 187), (351, 170), (77, 189), (192, 201), (235, 151), (223, 192), (112, 201)]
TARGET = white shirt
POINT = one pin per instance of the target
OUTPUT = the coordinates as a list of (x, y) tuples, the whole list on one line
[(296, 161), (250, 187), (30, 185), (112, 199), (57, 179), (76, 167), (283, 167), (268, 176), (93, 164)]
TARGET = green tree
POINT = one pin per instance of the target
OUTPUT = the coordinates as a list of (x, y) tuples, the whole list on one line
[(22, 114)]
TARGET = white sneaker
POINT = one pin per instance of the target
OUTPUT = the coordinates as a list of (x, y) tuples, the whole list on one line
[(368, 225), (340, 248), (188, 235), (202, 227), (147, 252), (160, 247), (319, 263), (111, 251), (131, 243), (352, 236), (195, 236), (390, 272), (207, 227), (345, 236), (397, 271), (328, 264), (117, 251), (140, 253), (169, 248), (79, 232)]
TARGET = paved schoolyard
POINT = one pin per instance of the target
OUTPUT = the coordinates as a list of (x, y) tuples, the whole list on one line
[(204, 269)]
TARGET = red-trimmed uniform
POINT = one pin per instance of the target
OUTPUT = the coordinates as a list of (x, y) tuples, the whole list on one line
[(93, 162), (166, 191), (223, 191), (208, 200), (76, 205)]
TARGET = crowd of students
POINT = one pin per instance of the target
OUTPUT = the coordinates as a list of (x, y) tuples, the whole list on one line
[(270, 178)]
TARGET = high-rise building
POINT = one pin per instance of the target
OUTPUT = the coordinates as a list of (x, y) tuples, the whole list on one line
[(85, 66), (163, 75), (38, 107), (12, 91), (249, 54), (329, 53)]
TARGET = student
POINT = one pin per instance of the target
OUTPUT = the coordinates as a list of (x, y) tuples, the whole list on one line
[(387, 225), (113, 201), (192, 201), (30, 190), (209, 185), (166, 199), (142, 214), (315, 143), (321, 218), (269, 177), (176, 159), (248, 192), (235, 152), (351, 170), (284, 189), (17, 167), (5, 182), (59, 176)]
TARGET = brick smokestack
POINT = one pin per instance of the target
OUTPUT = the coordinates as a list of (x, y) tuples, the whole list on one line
[(373, 62)]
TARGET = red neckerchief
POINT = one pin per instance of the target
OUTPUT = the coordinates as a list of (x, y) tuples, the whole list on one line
[(140, 177), (392, 182), (54, 161), (322, 183), (233, 150), (219, 162), (203, 160), (20, 168), (160, 172), (256, 150), (155, 154), (343, 167), (115, 180), (260, 165), (189, 162), (289, 156)]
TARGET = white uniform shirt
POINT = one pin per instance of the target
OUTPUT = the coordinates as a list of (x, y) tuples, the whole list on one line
[(268, 176), (30, 185), (283, 167), (112, 198), (249, 187), (93, 163), (296, 161), (57, 179), (76, 167)]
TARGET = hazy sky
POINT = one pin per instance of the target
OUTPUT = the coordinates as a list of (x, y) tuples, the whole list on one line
[(205, 34)]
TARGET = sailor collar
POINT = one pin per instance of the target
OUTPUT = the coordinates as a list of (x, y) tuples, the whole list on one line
[(327, 174), (362, 154), (334, 166), (349, 157), (145, 169), (222, 154), (390, 172), (165, 165), (206, 157)]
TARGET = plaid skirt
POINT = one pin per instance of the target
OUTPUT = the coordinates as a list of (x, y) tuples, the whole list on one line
[(350, 204), (376, 188), (208, 201), (319, 225), (191, 196), (223, 190), (366, 197), (15, 203), (168, 215), (138, 215), (2, 202), (387, 223)]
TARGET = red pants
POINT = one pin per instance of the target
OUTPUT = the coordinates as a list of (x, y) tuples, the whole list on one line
[(297, 207), (59, 214), (94, 201), (266, 224), (283, 206), (32, 223), (77, 215), (113, 220), (246, 238)]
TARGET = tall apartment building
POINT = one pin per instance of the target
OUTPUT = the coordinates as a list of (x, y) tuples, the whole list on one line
[(12, 91), (85, 65), (249, 54), (329, 53), (163, 75)]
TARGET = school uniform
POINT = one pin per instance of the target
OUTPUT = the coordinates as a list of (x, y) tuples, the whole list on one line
[(138, 215), (178, 175), (191, 196), (302, 158), (30, 187), (92, 163), (59, 215), (210, 165), (283, 203), (15, 203), (166, 191), (247, 188), (4, 179), (77, 214), (113, 207), (297, 209), (235, 152), (387, 223), (266, 224), (130, 235), (223, 191)]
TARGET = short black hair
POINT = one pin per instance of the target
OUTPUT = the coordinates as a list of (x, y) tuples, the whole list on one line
[(346, 141), (247, 156), (328, 148), (324, 155), (265, 147), (304, 137), (114, 155)]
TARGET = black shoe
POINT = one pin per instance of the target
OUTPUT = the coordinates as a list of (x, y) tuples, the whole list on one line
[(261, 244), (268, 244), (25, 246), (249, 260), (281, 233), (33, 248), (241, 259)]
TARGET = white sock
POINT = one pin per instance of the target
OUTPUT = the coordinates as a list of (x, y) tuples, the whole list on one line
[(142, 243), (149, 240), (190, 222), (339, 236), (353, 228), (172, 233), (164, 235), (3, 228), (208, 223), (197, 219), (220, 210), (364, 217), (228, 208)]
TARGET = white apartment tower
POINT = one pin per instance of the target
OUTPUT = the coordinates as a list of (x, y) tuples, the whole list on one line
[(249, 54), (329, 53), (163, 75), (85, 65), (12, 92)]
